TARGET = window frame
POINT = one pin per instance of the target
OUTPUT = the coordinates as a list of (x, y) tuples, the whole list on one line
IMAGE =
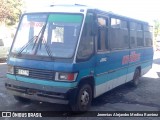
[(148, 30), (106, 41), (138, 27), (120, 19)]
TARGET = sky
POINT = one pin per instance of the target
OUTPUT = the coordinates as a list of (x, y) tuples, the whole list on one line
[(147, 10)]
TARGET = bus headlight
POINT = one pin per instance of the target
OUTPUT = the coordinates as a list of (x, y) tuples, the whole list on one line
[(60, 76), (10, 69)]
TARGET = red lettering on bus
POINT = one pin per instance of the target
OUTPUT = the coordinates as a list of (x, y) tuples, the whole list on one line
[(133, 57)]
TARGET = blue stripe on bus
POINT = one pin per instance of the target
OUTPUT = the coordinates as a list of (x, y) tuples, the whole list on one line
[(99, 79), (118, 73), (42, 82), (132, 68), (107, 77)]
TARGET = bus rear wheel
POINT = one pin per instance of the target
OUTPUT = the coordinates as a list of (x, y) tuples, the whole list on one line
[(83, 100), (136, 77)]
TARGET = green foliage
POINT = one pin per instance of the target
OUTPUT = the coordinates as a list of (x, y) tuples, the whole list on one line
[(10, 11), (156, 28)]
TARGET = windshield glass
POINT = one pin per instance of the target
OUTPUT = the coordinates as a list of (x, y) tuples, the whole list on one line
[(57, 32)]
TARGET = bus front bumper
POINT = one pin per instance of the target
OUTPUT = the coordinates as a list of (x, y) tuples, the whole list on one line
[(41, 93)]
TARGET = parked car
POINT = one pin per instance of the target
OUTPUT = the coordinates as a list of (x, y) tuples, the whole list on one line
[(158, 45), (3, 50)]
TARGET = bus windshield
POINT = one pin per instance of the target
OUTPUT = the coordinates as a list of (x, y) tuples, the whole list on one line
[(56, 32)]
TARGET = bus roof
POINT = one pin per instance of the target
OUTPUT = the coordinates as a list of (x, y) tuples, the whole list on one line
[(60, 8), (111, 14), (78, 8)]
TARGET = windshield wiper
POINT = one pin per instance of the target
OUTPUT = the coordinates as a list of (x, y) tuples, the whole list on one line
[(30, 41), (49, 52), (39, 44), (27, 44), (40, 39)]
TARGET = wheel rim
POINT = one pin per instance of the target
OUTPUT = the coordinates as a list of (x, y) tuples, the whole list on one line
[(84, 98)]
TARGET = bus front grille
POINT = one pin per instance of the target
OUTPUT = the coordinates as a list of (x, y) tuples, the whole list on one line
[(37, 73)]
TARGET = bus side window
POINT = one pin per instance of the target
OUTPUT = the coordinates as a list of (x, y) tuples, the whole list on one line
[(140, 39), (102, 43), (133, 36), (148, 35), (119, 35)]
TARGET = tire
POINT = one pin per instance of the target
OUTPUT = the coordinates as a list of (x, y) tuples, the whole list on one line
[(22, 100), (136, 77), (83, 99)]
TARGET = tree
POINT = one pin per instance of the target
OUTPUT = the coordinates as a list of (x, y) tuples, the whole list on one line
[(10, 11), (156, 28)]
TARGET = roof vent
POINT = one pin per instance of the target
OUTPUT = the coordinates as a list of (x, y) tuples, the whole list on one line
[(79, 5), (54, 4)]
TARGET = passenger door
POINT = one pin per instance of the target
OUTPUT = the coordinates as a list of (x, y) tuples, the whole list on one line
[(101, 75)]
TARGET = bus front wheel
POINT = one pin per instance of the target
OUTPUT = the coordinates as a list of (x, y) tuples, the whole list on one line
[(83, 99)]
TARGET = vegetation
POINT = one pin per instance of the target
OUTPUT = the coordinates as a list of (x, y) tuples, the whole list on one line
[(156, 28), (10, 11)]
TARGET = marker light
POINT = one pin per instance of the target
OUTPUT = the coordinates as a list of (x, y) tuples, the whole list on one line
[(10, 69)]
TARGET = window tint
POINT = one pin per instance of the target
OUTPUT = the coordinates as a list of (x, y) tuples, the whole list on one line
[(120, 31), (119, 37), (140, 40), (101, 39), (139, 26), (148, 35), (102, 43), (136, 35), (148, 39), (123, 24), (146, 28), (132, 25), (133, 38)]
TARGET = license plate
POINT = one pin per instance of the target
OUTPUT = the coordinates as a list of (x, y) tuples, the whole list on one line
[(23, 72)]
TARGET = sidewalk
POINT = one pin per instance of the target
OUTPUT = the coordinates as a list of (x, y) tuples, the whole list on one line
[(153, 73)]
